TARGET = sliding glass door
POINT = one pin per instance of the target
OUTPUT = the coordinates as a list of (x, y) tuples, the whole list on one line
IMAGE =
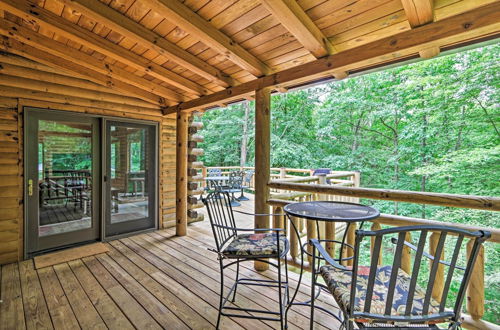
[(87, 178), (62, 179), (130, 177)]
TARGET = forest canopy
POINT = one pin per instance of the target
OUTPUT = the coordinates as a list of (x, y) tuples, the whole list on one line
[(433, 126)]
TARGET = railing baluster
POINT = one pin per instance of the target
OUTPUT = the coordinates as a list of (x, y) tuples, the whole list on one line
[(475, 290), (438, 285), (294, 239), (351, 237), (330, 234), (406, 255), (311, 233), (278, 217), (376, 226)]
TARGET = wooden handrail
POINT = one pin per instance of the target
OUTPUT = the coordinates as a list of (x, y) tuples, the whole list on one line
[(453, 200), (398, 220)]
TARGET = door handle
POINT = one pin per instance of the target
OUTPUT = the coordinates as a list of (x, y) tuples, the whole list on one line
[(30, 187)]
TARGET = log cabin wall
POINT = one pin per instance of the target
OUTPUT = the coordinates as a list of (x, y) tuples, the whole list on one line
[(48, 88)]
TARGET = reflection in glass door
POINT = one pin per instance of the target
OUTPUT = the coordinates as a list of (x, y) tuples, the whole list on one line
[(62, 161), (130, 177)]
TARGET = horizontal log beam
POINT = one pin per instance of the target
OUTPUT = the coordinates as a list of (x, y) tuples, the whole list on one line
[(481, 17), (417, 197)]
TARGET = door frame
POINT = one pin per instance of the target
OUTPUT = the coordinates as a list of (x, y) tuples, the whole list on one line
[(32, 116), (100, 207)]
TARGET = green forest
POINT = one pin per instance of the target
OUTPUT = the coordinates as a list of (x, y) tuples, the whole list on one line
[(430, 126)]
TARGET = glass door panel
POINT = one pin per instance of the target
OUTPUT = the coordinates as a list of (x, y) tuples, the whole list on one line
[(130, 177), (62, 179)]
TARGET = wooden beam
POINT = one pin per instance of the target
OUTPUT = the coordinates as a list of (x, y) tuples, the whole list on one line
[(129, 28), (418, 12), (339, 75), (28, 36), (182, 16), (262, 160), (481, 19), (16, 47), (181, 204), (429, 52), (53, 22), (297, 22)]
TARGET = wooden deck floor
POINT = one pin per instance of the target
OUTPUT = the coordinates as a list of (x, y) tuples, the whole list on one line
[(148, 281)]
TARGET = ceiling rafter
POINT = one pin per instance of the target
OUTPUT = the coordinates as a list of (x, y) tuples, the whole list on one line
[(178, 13), (22, 34), (299, 24), (476, 23), (100, 12), (53, 22), (418, 13), (15, 47)]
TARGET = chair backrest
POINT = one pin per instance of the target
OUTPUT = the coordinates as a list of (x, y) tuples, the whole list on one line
[(445, 238), (235, 179), (220, 213), (248, 176), (214, 172)]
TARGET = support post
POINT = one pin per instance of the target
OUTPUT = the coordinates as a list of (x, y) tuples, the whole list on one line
[(181, 174), (262, 160)]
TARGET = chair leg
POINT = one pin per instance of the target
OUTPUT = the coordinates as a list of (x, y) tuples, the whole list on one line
[(280, 292), (221, 293), (237, 278)]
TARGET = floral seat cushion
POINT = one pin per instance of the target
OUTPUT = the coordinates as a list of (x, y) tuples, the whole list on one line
[(339, 284), (260, 244)]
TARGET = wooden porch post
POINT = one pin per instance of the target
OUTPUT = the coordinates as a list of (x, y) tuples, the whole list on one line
[(262, 160), (181, 174)]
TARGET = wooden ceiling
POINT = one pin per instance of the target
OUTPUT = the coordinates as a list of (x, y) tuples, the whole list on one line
[(182, 55)]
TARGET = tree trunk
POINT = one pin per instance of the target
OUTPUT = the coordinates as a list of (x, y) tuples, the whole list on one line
[(424, 157), (244, 137)]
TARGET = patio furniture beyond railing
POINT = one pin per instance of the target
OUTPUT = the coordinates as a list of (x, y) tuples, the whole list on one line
[(345, 187)]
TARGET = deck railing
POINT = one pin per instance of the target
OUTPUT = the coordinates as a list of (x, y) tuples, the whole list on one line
[(345, 187)]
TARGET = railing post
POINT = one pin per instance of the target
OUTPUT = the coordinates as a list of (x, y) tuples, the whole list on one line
[(181, 181), (329, 227), (262, 161), (437, 289), (475, 290), (376, 226)]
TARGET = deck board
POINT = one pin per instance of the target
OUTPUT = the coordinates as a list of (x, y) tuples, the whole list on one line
[(148, 281)]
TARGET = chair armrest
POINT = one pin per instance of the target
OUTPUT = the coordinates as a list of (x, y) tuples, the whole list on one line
[(394, 240), (258, 214), (322, 252)]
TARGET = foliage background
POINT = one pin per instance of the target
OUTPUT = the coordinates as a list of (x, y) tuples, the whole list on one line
[(428, 126)]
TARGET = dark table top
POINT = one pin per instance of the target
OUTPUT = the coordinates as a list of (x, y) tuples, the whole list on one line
[(332, 211)]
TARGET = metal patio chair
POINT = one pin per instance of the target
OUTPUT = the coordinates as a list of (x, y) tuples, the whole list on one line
[(247, 181), (235, 245), (385, 298), (233, 186)]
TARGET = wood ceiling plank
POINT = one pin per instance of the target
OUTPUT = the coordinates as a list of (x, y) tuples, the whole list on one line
[(419, 12), (201, 29), (149, 39), (108, 48), (294, 19), (484, 19), (45, 44)]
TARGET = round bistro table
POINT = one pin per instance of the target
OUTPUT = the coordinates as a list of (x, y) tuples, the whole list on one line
[(328, 212)]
